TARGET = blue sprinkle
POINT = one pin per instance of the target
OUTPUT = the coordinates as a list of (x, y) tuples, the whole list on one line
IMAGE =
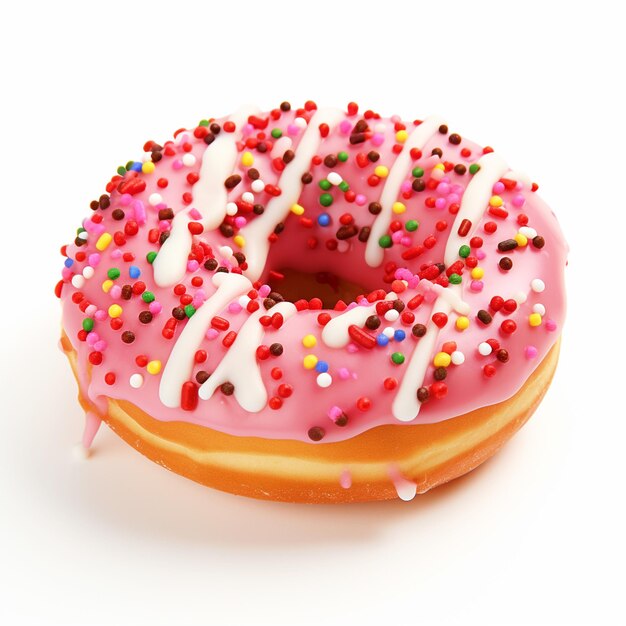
[(321, 367), (399, 335), (382, 340), (136, 166), (323, 219), (134, 271), (69, 262)]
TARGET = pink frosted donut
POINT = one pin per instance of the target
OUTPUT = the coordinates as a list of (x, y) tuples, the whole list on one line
[(315, 304)]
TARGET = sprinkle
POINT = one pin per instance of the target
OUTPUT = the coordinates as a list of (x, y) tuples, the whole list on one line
[(537, 285), (148, 167), (457, 358), (398, 208), (154, 199), (484, 348), (154, 367), (442, 359), (309, 341), (397, 358), (539, 308), (309, 361), (297, 209), (521, 240), (324, 380), (534, 319), (381, 171), (103, 241), (115, 310), (136, 381), (530, 352), (462, 323), (247, 159)]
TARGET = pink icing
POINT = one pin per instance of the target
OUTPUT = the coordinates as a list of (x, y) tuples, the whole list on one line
[(364, 381)]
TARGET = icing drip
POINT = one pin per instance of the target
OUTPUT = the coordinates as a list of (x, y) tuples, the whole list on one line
[(406, 406), (256, 234), (406, 489), (374, 254), (240, 366), (345, 479), (180, 363), (210, 198), (92, 425), (335, 334)]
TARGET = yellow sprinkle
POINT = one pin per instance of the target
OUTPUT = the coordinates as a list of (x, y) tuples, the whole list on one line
[(442, 359), (522, 240), (106, 285), (534, 319), (381, 171), (439, 166), (239, 240), (308, 341), (309, 361), (115, 310), (154, 367), (496, 201), (103, 241), (247, 159), (478, 273), (398, 207), (462, 322), (147, 167), (402, 136), (297, 209)]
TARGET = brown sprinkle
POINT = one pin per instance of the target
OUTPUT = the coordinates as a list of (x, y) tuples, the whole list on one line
[(202, 376), (422, 394), (128, 336), (484, 316), (316, 433), (505, 263), (419, 330), (227, 389), (145, 317), (232, 181)]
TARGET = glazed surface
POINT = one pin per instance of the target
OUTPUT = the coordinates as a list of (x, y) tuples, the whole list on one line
[(180, 251)]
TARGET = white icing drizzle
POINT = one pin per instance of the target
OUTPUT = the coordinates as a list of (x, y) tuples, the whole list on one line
[(180, 363), (406, 489), (453, 297), (406, 406), (210, 197), (240, 365), (256, 234), (335, 334), (374, 254)]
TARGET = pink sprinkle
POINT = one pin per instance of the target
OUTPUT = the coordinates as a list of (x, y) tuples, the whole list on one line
[(397, 236), (378, 139), (89, 226), (164, 225), (343, 373), (240, 221), (454, 198), (234, 307), (334, 412), (531, 352), (125, 199), (100, 345), (345, 127), (457, 189), (405, 241), (195, 214), (94, 259), (292, 129), (443, 189), (519, 201), (477, 285), (550, 325), (67, 273), (92, 338), (177, 164), (211, 334), (352, 348), (192, 265), (155, 307), (498, 187), (440, 203), (247, 130), (264, 290), (402, 273), (345, 479), (406, 186), (90, 311), (116, 254), (480, 254), (140, 213), (100, 315), (115, 292), (360, 199)]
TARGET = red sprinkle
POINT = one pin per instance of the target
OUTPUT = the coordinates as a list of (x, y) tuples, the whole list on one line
[(359, 336), (464, 228), (189, 396)]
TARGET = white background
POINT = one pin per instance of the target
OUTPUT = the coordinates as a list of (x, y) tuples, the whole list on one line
[(535, 536)]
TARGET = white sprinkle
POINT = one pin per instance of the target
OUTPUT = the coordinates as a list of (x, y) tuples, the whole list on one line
[(189, 159), (388, 332), (83, 235), (457, 357), (528, 232), (324, 379), (484, 348), (392, 315), (78, 281), (154, 199), (537, 285), (247, 197), (88, 272), (539, 308), (231, 208), (257, 185), (343, 245), (281, 146), (226, 252), (520, 297), (136, 381), (300, 122), (243, 301), (334, 178)]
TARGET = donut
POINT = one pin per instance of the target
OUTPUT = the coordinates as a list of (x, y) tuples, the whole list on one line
[(314, 304)]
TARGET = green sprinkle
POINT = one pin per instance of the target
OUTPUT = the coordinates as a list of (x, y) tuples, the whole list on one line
[(151, 256), (397, 358), (88, 324), (418, 172), (455, 279), (464, 251), (326, 199), (80, 230), (190, 309), (147, 296), (342, 156), (121, 170), (324, 184), (277, 133), (343, 185), (412, 225), (473, 168), (203, 123), (129, 164), (385, 241), (113, 273)]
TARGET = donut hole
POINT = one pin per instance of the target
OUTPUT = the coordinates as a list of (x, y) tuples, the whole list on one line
[(329, 287)]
